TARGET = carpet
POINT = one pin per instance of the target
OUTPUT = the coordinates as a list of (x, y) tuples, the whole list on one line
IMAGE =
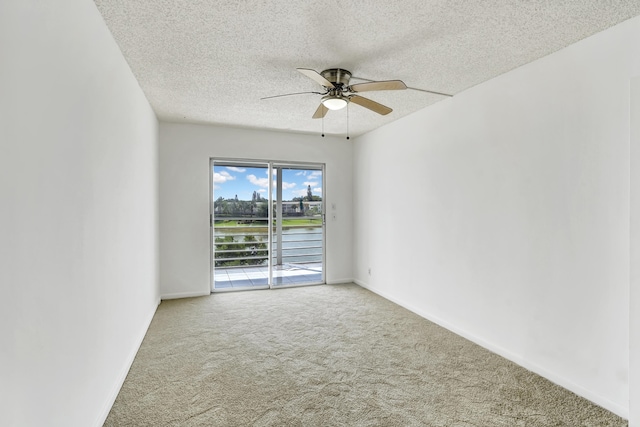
[(330, 355)]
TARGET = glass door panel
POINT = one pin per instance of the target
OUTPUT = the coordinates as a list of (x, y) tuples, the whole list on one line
[(240, 223), (297, 244)]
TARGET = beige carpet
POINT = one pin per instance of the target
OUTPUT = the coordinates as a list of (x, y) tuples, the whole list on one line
[(328, 356)]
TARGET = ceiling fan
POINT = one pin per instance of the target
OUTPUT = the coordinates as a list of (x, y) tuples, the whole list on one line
[(338, 92)]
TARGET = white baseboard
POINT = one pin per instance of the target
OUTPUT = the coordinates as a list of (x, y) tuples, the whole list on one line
[(102, 417), (339, 281), (527, 364), (185, 295), (364, 285)]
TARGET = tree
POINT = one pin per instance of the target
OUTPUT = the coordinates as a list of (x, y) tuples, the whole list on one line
[(263, 209), (227, 247), (219, 205), (256, 249), (309, 195), (225, 244)]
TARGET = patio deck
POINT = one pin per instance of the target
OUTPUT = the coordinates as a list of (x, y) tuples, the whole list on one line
[(233, 278)]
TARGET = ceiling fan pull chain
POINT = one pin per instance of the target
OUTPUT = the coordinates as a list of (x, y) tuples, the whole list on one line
[(323, 126), (347, 121)]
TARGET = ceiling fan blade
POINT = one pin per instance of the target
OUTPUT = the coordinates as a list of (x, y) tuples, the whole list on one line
[(371, 105), (316, 77), (382, 85), (408, 87), (320, 112), (291, 94)]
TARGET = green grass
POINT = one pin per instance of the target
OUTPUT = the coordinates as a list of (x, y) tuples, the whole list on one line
[(231, 224), (288, 222)]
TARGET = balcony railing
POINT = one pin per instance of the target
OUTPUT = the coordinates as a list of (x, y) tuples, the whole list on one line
[(246, 244)]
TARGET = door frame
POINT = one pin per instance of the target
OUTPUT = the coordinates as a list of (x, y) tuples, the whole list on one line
[(270, 166)]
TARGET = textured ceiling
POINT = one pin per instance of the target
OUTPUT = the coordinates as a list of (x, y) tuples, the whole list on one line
[(210, 61)]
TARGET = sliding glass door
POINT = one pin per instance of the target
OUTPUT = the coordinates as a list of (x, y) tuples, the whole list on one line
[(298, 227), (267, 224), (240, 224)]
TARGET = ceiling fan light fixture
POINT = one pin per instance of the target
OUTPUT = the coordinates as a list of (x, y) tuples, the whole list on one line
[(333, 102)]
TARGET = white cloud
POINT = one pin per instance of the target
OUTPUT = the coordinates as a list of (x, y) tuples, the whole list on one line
[(224, 176), (260, 182), (264, 182), (313, 184), (315, 174), (299, 193), (235, 169), (317, 191), (262, 190)]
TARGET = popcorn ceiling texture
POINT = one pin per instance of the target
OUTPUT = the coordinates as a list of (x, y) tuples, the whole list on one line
[(209, 61)]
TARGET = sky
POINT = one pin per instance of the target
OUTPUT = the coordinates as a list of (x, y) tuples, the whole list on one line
[(229, 181)]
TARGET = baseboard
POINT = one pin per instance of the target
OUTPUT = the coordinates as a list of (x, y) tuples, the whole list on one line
[(366, 286), (339, 281), (184, 295), (527, 364), (125, 371)]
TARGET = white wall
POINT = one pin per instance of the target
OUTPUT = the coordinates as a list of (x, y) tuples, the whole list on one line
[(634, 291), (515, 201), (185, 151), (78, 214)]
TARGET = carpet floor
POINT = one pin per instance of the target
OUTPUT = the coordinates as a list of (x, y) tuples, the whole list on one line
[(331, 355)]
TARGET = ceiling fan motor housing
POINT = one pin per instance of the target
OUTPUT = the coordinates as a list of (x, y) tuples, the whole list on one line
[(337, 76)]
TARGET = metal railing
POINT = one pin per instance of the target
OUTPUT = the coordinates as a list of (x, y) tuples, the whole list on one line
[(245, 245)]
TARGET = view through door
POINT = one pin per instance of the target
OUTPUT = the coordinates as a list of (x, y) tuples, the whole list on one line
[(254, 247)]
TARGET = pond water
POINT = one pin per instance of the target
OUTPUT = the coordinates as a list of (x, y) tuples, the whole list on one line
[(298, 244)]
